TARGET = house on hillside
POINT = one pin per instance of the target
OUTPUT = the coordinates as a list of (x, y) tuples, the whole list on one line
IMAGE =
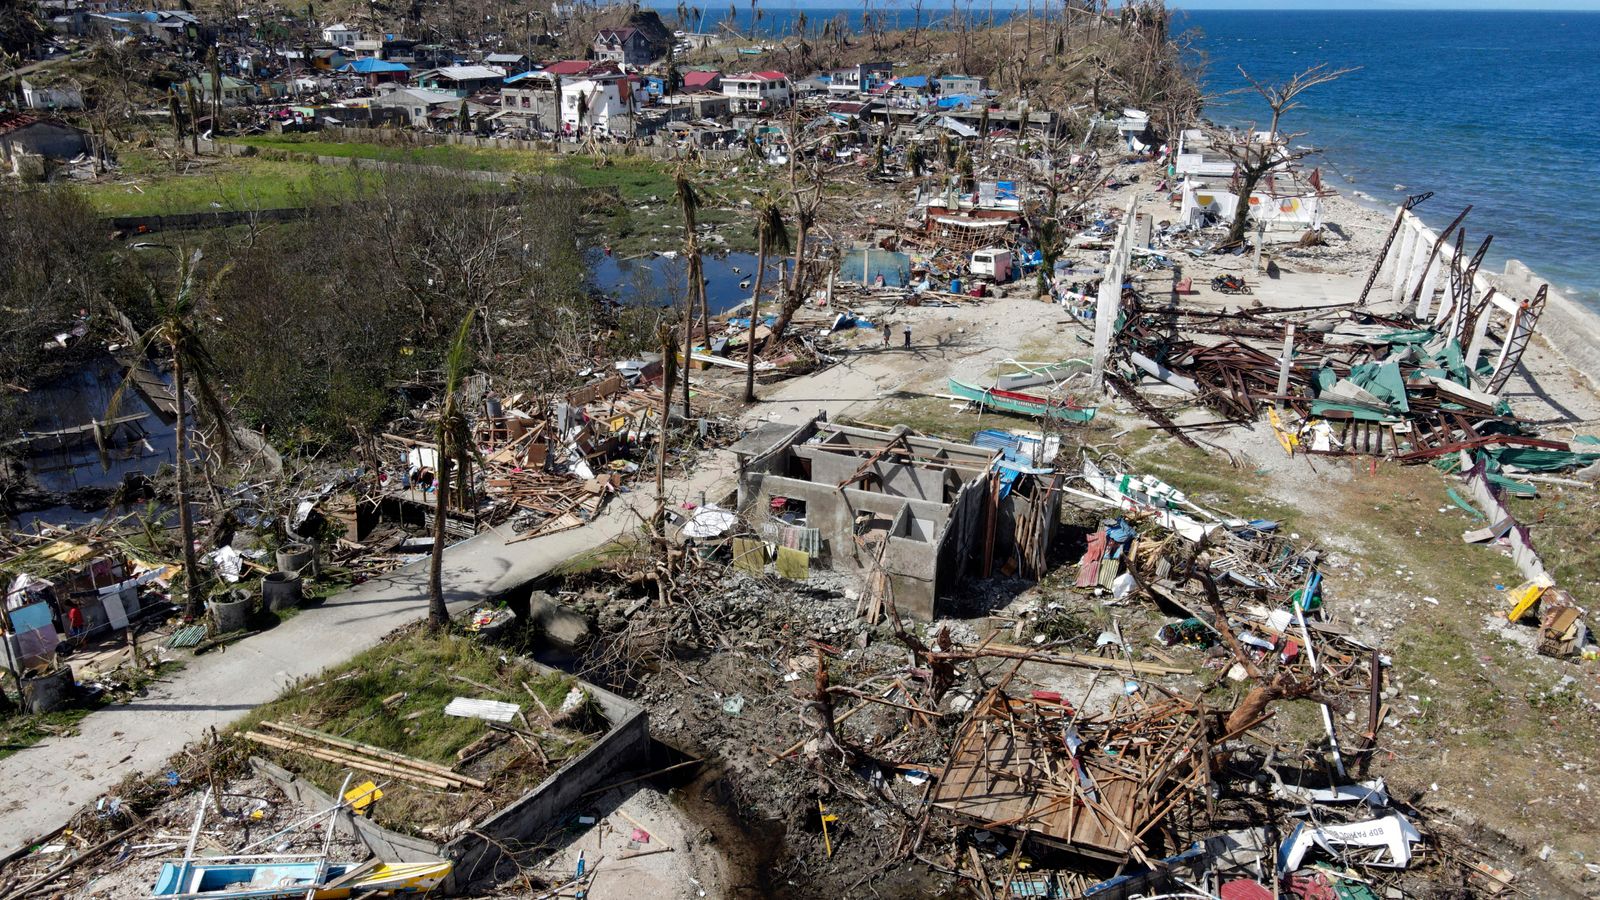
[(701, 81), (54, 96), (859, 79), (697, 106), (571, 68), (811, 86), (461, 81), (341, 35), (602, 103), (234, 90), (528, 101), (961, 84), (418, 103), (757, 92), (377, 71), (169, 26), (25, 134), (910, 87), (327, 59), (511, 62), (628, 46)]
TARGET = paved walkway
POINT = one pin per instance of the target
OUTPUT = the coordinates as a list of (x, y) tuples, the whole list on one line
[(44, 785)]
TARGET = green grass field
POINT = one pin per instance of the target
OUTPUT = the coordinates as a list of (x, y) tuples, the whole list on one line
[(449, 156), (644, 215), (418, 674), (149, 188)]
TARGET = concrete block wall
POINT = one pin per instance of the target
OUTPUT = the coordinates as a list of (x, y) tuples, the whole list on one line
[(625, 747)]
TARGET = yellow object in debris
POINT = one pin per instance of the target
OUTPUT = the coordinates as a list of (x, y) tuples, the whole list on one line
[(1286, 438), (1524, 597), (750, 555), (827, 840), (362, 796), (793, 564)]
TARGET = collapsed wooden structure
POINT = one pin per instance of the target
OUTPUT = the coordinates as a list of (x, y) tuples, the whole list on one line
[(1091, 784)]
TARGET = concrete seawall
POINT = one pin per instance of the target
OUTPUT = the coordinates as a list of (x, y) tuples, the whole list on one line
[(1571, 329)]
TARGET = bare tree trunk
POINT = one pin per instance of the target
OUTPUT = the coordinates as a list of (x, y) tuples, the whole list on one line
[(438, 613), (755, 311), (794, 298), (667, 371), (193, 587), (695, 281), (1241, 214)]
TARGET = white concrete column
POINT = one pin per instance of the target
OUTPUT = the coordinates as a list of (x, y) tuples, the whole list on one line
[(1402, 259), (1386, 265), (1479, 329), (1419, 259), (1110, 296), (1430, 283)]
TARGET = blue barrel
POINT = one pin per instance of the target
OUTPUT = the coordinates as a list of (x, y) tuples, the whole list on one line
[(955, 285)]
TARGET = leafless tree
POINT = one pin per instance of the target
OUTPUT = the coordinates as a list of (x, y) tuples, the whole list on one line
[(806, 182), (1255, 157)]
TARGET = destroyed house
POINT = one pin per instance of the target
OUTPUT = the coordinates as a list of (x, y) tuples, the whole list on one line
[(916, 514), (24, 133), (462, 81), (629, 46), (43, 583)]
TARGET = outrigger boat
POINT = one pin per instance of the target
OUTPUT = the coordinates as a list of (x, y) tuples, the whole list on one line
[(271, 879), (1025, 404)]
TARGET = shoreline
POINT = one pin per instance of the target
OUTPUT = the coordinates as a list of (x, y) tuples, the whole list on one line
[(1568, 326)]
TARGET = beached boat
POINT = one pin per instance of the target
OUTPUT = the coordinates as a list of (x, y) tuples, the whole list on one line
[(1034, 374), (268, 879), (1025, 404)]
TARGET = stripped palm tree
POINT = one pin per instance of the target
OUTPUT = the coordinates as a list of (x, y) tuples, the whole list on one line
[(176, 334), (454, 439), (689, 200), (772, 236)]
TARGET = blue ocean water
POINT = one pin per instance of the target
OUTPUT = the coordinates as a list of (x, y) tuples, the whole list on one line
[(1497, 109)]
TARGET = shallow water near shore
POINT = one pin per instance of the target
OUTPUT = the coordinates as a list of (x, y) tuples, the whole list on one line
[(1493, 109)]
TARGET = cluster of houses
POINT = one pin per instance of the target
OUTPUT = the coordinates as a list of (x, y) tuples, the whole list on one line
[(627, 86)]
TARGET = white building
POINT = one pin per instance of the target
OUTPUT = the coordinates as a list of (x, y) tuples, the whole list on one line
[(757, 92), (57, 96), (607, 102), (418, 103), (341, 35), (1288, 205)]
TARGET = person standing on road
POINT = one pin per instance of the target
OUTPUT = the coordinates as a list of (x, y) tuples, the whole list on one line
[(886, 329), (908, 335)]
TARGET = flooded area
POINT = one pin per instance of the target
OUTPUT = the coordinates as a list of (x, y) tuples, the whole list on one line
[(70, 472), (660, 279)]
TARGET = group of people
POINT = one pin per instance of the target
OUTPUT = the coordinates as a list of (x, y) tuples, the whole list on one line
[(887, 330)]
